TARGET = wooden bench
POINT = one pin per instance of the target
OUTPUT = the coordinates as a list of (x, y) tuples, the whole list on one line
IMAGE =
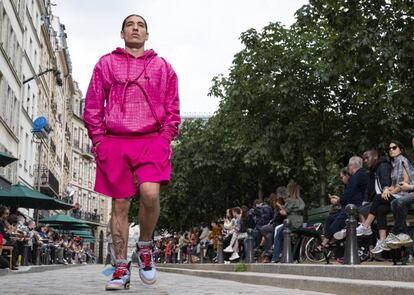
[(9, 249), (318, 215)]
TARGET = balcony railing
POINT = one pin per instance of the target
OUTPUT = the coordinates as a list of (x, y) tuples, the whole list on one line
[(76, 144), (47, 181), (86, 152), (88, 216)]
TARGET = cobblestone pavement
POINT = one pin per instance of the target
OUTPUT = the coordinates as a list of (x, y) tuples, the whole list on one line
[(89, 280)]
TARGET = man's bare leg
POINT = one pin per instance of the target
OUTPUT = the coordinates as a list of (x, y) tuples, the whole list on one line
[(119, 231), (120, 227), (149, 209)]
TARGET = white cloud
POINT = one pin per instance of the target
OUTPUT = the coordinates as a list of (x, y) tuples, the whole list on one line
[(199, 38)]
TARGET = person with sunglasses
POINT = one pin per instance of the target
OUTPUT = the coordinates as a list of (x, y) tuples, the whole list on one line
[(402, 171), (402, 192)]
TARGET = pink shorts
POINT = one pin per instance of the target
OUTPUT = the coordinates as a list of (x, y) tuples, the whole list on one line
[(119, 158)]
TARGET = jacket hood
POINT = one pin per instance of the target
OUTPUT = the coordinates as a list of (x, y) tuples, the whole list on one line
[(380, 161), (147, 53)]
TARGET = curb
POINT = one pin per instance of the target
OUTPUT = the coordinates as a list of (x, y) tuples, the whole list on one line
[(36, 268), (301, 282), (358, 272)]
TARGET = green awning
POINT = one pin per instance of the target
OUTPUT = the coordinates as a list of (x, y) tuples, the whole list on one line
[(86, 236), (69, 226), (89, 240), (61, 219), (22, 196), (81, 233), (6, 159)]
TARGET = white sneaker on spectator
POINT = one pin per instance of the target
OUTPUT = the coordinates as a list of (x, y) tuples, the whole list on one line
[(228, 249), (395, 241), (363, 230), (404, 238), (340, 235), (379, 247), (234, 256)]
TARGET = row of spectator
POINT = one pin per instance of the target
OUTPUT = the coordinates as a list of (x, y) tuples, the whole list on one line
[(386, 186), (29, 240)]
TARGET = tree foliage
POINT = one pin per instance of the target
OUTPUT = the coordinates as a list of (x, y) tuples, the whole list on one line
[(296, 104)]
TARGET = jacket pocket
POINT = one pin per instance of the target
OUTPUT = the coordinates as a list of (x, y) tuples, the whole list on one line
[(101, 151)]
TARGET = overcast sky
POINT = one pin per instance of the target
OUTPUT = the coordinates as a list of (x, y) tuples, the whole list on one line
[(199, 38)]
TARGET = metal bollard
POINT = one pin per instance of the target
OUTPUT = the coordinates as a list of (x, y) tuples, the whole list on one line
[(180, 256), (202, 247), (248, 244), (220, 257), (190, 254), (25, 256), (37, 255), (351, 243), (287, 242)]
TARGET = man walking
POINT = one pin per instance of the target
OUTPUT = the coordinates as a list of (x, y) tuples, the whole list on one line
[(132, 115)]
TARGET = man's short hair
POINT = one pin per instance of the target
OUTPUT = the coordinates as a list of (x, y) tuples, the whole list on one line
[(356, 161), (123, 23), (371, 152)]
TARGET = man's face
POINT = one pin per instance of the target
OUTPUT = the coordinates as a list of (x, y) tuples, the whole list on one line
[(351, 169), (369, 160), (134, 32)]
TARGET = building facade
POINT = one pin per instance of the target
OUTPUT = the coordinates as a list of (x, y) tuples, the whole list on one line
[(36, 81)]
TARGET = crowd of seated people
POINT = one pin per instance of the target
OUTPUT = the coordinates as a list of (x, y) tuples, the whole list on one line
[(51, 246), (385, 187), (264, 219)]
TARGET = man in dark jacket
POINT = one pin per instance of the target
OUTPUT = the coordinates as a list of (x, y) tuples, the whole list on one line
[(354, 193), (379, 177), (264, 214)]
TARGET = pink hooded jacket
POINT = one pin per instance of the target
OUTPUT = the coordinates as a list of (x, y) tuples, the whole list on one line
[(132, 96)]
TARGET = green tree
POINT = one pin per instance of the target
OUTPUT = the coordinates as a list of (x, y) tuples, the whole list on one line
[(296, 104)]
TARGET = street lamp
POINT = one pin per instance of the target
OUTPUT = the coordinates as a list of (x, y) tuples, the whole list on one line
[(57, 73), (43, 178), (41, 130)]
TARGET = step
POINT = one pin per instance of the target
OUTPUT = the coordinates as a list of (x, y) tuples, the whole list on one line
[(308, 283), (354, 272)]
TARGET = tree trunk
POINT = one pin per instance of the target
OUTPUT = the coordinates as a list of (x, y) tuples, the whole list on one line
[(260, 193), (322, 180)]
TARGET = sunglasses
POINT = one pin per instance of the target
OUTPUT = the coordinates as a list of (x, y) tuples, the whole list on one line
[(394, 147)]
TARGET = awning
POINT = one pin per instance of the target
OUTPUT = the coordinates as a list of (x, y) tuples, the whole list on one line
[(5, 184), (61, 219), (69, 226), (86, 236), (6, 159), (22, 196)]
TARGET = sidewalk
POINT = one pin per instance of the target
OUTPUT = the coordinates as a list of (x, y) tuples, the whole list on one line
[(36, 268), (337, 279)]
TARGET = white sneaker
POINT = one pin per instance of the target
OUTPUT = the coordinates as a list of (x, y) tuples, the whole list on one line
[(363, 230), (234, 256), (404, 238), (396, 241), (146, 264), (379, 247), (120, 278), (340, 235), (228, 249)]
